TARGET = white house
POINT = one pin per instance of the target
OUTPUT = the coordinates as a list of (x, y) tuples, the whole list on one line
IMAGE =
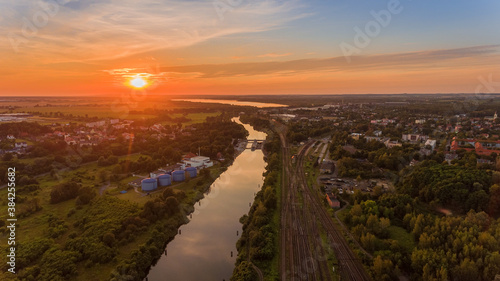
[(414, 138), (199, 161), (356, 136), (21, 144), (96, 124), (431, 143)]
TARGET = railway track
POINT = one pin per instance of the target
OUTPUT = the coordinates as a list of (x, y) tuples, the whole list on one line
[(350, 266), (304, 256)]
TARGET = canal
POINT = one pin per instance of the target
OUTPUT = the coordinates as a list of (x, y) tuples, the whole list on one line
[(203, 249)]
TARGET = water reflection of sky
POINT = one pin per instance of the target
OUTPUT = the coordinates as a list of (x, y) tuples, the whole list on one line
[(235, 102), (203, 250)]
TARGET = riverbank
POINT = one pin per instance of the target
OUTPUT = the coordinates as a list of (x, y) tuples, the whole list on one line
[(259, 245), (140, 262), (209, 239)]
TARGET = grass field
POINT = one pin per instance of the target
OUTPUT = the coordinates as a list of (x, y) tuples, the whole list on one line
[(195, 117), (86, 111), (103, 112), (402, 236)]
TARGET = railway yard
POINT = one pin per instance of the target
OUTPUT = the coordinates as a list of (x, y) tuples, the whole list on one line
[(308, 234)]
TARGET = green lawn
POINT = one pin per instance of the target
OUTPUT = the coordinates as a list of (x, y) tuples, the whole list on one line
[(28, 142), (343, 213), (195, 117), (404, 238)]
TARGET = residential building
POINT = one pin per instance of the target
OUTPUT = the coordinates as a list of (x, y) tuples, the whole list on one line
[(414, 138), (21, 144), (391, 144), (431, 143)]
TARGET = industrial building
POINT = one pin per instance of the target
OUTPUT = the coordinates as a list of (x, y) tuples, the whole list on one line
[(332, 200), (198, 162), (327, 167), (174, 173)]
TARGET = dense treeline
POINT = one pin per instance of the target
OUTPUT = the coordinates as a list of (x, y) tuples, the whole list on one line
[(258, 123), (349, 167), (38, 166), (23, 128), (71, 190), (258, 242), (301, 131), (459, 187), (407, 237), (210, 138)]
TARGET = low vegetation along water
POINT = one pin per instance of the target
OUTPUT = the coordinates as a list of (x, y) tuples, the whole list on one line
[(202, 248)]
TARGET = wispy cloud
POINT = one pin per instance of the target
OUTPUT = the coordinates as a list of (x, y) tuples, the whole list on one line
[(460, 57), (99, 30), (274, 55)]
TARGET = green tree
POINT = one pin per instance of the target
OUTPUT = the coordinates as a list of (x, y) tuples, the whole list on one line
[(494, 203), (108, 239)]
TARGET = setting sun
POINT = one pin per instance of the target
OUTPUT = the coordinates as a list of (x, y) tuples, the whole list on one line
[(138, 82)]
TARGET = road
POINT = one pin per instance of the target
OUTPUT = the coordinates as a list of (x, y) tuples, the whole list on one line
[(259, 272), (303, 216)]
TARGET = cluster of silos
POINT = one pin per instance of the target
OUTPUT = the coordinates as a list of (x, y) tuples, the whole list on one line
[(192, 171), (178, 175), (164, 180), (149, 184)]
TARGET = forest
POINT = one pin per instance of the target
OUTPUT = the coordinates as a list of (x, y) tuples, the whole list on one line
[(408, 235)]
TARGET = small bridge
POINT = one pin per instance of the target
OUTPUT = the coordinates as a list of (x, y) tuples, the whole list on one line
[(255, 144)]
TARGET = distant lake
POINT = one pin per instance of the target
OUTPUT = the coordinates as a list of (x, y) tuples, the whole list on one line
[(235, 102)]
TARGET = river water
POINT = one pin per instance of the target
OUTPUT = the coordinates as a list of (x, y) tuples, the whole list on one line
[(235, 102), (202, 252)]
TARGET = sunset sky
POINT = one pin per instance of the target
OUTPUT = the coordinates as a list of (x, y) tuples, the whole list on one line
[(90, 47)]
